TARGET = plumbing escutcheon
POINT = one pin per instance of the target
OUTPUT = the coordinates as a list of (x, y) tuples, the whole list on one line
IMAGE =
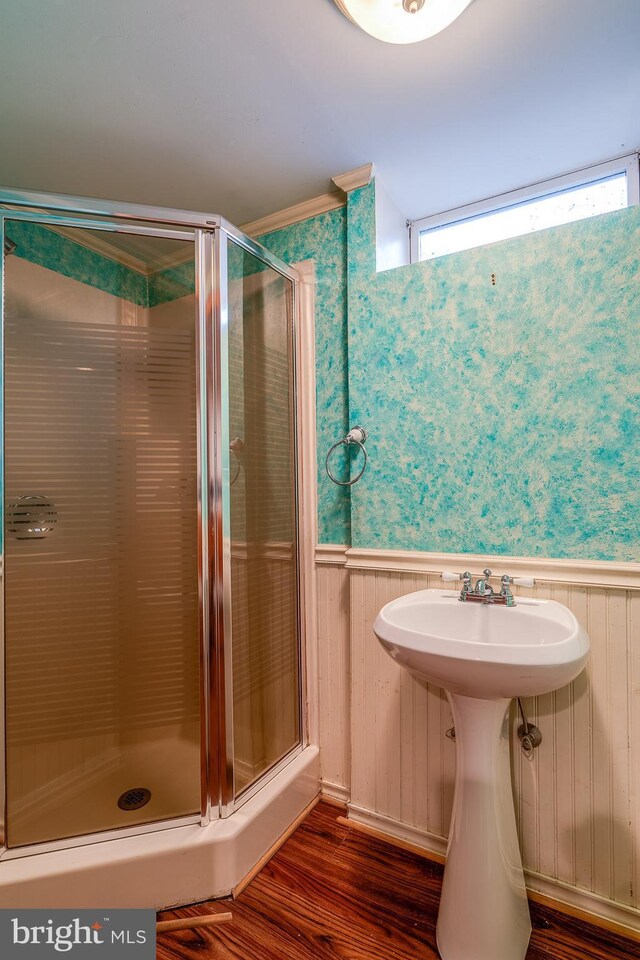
[(530, 737)]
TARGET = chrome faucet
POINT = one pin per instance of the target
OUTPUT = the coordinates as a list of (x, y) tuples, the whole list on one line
[(483, 588), (483, 592)]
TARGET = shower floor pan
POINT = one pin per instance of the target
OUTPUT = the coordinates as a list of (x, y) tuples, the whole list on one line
[(166, 867), (165, 764)]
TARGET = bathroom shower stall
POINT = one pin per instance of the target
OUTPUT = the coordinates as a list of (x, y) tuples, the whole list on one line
[(153, 651)]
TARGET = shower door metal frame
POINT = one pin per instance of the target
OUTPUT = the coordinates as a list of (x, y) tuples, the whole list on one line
[(228, 800), (209, 234)]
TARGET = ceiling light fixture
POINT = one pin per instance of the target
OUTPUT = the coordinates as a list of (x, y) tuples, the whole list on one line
[(402, 21)]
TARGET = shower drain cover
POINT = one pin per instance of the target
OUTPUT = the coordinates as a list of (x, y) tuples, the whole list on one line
[(134, 799)]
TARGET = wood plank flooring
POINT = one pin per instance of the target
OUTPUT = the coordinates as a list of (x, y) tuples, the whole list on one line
[(333, 893)]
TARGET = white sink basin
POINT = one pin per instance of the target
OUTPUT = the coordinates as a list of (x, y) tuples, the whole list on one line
[(483, 655), (484, 650)]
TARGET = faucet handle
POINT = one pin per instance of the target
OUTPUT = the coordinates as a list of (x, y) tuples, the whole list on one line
[(519, 581), (447, 575)]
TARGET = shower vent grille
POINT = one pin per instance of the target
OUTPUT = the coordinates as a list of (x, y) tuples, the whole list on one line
[(31, 517)]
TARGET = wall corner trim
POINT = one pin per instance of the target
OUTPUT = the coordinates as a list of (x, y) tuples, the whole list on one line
[(353, 179), (581, 573), (304, 345), (332, 200)]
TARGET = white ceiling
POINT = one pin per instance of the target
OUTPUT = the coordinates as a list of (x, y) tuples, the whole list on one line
[(243, 107)]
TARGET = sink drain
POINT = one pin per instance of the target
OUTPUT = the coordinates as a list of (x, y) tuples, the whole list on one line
[(134, 799)]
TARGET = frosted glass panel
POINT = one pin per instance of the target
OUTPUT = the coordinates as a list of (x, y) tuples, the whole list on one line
[(266, 720), (101, 542)]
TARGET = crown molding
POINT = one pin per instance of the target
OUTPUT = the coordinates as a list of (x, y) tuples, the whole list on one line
[(353, 179), (332, 200), (295, 214), (129, 260), (85, 239), (324, 203), (175, 259)]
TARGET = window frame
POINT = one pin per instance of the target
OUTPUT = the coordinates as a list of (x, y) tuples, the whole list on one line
[(628, 164)]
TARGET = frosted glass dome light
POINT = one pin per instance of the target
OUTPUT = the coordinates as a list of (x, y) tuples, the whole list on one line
[(402, 21)]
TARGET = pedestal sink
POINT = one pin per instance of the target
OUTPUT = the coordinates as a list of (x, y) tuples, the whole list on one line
[(483, 655)]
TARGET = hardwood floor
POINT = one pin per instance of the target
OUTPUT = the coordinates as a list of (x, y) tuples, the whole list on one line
[(333, 893)]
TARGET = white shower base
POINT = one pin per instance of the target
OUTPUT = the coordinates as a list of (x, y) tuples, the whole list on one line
[(164, 868), (86, 800)]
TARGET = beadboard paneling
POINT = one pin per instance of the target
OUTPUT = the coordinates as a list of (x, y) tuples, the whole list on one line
[(577, 799), (403, 764), (334, 679)]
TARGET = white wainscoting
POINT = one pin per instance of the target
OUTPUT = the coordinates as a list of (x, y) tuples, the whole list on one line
[(577, 801), (334, 673)]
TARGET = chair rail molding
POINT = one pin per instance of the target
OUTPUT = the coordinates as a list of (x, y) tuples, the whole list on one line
[(331, 553), (582, 573)]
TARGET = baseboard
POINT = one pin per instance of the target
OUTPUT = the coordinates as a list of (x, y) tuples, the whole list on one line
[(572, 901), (583, 905), (388, 838), (334, 791), (429, 844)]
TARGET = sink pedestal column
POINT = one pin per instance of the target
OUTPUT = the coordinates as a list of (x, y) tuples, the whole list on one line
[(484, 914)]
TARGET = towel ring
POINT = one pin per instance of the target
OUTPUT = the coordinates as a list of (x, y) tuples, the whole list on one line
[(357, 435)]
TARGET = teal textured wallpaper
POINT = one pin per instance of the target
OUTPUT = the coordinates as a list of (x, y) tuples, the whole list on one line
[(500, 386), (321, 238), (324, 239), (501, 391), (49, 249)]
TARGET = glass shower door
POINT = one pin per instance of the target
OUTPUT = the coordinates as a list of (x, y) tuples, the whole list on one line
[(266, 664), (101, 533)]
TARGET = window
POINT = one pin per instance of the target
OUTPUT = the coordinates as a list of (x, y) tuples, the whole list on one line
[(599, 189)]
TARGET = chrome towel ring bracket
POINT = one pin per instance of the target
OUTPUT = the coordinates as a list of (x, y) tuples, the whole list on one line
[(357, 435), (236, 447)]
